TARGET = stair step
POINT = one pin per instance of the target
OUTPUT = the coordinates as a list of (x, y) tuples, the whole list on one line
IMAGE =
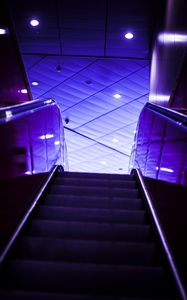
[(95, 202), (100, 252), (84, 278), (112, 177), (92, 215), (90, 231), (94, 191), (95, 182), (24, 295)]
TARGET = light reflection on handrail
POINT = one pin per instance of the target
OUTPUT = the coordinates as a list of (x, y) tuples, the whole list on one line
[(9, 113), (175, 116), (161, 234)]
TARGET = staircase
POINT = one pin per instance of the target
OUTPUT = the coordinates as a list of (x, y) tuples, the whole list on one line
[(90, 238)]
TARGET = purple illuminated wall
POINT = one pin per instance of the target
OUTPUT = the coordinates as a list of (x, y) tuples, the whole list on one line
[(168, 53), (179, 99)]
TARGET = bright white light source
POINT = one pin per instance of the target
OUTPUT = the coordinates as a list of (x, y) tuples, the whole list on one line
[(129, 35), (24, 91), (28, 172), (34, 22), (57, 143), (8, 113), (115, 140), (159, 97), (103, 162), (166, 170), (3, 31), (117, 96), (46, 136), (172, 38), (35, 83), (48, 101)]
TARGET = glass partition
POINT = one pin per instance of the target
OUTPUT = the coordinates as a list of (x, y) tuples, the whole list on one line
[(159, 149)]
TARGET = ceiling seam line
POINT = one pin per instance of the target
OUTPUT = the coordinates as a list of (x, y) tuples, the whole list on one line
[(108, 86), (87, 56), (68, 78), (96, 142), (119, 107), (112, 132), (34, 64)]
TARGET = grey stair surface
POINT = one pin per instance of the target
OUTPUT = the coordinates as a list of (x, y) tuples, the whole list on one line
[(89, 238)]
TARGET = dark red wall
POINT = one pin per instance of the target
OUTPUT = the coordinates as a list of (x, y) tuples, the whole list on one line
[(170, 201)]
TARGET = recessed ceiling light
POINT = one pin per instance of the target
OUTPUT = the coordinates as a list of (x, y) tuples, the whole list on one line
[(103, 162), (115, 140), (34, 22), (35, 83), (3, 31), (59, 69), (129, 35), (117, 96)]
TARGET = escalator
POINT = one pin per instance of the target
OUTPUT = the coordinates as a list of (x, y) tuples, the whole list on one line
[(90, 236)]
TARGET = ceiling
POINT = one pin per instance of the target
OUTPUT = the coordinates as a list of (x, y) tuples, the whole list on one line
[(79, 56)]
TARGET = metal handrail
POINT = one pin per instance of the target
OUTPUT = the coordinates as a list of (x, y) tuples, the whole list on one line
[(12, 112), (175, 116), (161, 234), (27, 215)]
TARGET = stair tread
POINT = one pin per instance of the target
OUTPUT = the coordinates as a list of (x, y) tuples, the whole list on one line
[(30, 295), (88, 251), (87, 278), (91, 201), (95, 182), (96, 231), (96, 175), (82, 214), (90, 190)]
